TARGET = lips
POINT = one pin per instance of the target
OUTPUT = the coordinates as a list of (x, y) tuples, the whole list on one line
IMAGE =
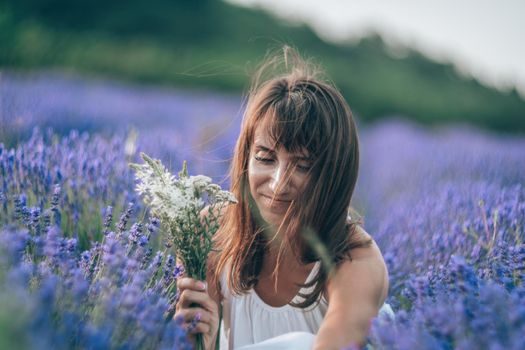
[(274, 205), (277, 199)]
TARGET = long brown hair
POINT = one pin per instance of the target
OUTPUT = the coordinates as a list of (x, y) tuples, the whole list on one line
[(302, 111)]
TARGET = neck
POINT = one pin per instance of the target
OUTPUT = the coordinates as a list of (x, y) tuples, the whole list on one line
[(287, 259), (273, 255)]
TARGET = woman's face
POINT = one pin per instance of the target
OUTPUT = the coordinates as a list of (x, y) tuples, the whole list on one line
[(276, 176)]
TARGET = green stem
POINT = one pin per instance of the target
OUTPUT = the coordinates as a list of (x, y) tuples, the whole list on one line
[(218, 338), (199, 342)]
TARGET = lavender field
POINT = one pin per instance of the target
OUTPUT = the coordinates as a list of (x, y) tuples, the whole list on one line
[(82, 264)]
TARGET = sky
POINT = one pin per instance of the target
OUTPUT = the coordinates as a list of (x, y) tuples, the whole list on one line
[(482, 38)]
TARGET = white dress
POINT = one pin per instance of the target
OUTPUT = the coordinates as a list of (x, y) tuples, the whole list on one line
[(251, 324), (247, 319)]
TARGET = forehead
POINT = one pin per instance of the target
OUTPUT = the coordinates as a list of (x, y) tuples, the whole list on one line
[(262, 135), (267, 137)]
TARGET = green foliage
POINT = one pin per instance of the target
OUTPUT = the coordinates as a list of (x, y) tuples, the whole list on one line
[(15, 314), (209, 44)]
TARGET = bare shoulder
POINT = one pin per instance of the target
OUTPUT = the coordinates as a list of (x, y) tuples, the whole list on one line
[(371, 251), (366, 271)]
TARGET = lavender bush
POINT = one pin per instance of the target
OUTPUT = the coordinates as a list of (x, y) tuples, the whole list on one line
[(174, 125), (449, 215), (116, 295), (70, 179), (446, 206)]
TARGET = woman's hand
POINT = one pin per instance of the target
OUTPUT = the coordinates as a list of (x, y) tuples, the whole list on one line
[(198, 310)]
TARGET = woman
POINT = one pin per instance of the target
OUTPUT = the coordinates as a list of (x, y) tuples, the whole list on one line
[(289, 257)]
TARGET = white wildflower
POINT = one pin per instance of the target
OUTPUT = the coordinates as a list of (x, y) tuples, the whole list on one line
[(199, 182), (178, 202)]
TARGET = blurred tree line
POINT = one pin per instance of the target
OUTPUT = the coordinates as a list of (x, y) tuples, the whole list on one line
[(212, 44)]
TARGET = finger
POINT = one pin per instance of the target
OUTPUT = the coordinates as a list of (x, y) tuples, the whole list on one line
[(194, 313), (189, 297), (191, 283), (199, 327)]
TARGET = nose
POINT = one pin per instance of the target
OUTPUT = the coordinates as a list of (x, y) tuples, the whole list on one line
[(280, 180)]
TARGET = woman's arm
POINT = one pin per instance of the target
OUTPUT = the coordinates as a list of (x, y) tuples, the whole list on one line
[(355, 292)]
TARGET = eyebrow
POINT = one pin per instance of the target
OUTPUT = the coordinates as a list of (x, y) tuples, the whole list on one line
[(269, 150)]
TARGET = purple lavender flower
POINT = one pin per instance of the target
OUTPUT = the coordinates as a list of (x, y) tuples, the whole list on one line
[(108, 218), (121, 227), (178, 271), (135, 232), (194, 322)]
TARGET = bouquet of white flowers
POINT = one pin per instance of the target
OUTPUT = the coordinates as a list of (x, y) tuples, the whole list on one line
[(179, 204)]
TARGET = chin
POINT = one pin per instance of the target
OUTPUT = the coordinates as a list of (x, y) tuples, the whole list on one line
[(273, 217)]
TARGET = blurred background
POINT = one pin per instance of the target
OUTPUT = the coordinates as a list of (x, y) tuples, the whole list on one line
[(432, 62), (176, 71)]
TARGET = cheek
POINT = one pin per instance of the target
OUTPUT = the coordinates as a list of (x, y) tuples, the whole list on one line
[(300, 185), (253, 176), (258, 177)]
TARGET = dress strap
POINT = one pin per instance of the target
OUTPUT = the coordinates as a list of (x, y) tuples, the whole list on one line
[(307, 290)]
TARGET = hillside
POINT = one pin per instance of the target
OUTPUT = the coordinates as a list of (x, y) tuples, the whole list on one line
[(213, 45)]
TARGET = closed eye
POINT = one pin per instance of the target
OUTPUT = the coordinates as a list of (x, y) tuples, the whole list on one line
[(303, 168), (263, 160)]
